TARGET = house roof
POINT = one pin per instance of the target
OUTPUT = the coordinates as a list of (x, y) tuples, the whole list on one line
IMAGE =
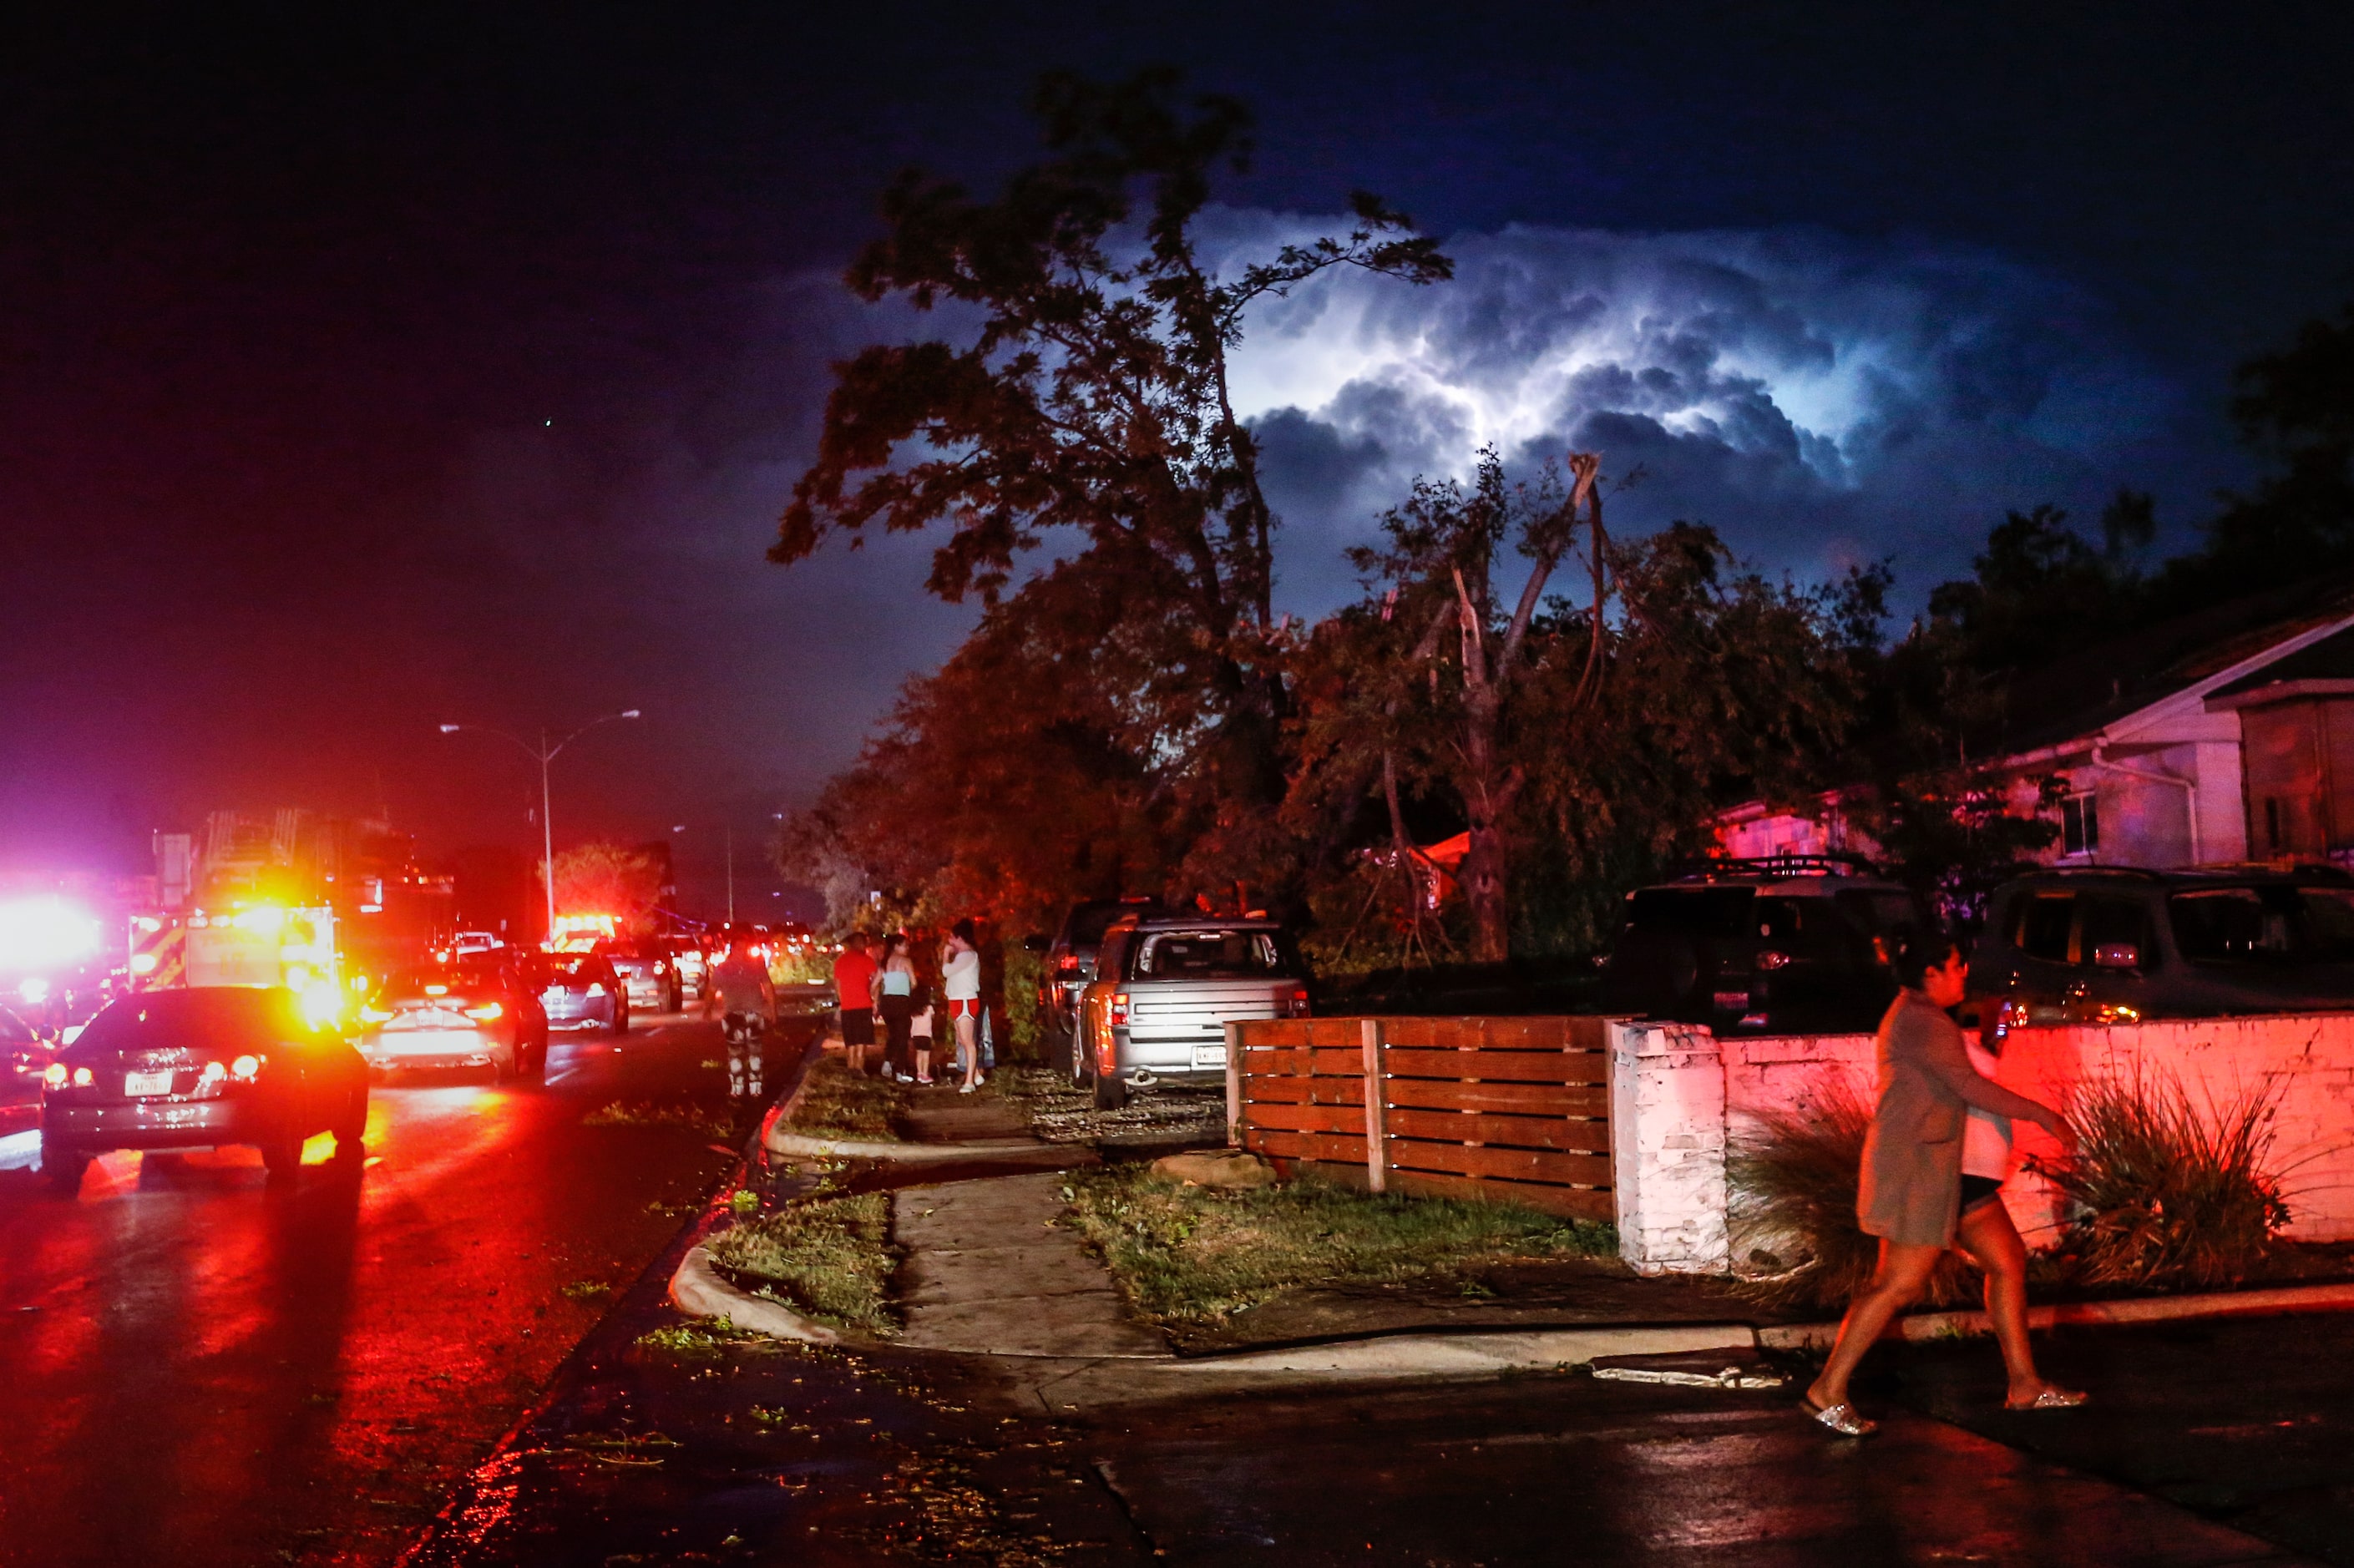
[(2085, 692)]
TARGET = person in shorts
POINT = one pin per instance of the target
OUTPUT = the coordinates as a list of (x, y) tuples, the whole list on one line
[(854, 991), (961, 987)]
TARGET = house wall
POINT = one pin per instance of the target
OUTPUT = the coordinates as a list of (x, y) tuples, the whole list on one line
[(1671, 1184)]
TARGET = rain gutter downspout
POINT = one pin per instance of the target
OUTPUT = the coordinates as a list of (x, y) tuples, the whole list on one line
[(2189, 790)]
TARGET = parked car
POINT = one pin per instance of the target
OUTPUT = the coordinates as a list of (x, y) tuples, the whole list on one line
[(690, 963), (580, 990), (200, 1068), (1795, 943), (1070, 965), (24, 1059), (1166, 985), (646, 973), (2106, 945), (463, 1015)]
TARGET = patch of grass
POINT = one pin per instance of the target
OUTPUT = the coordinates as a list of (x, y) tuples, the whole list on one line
[(2163, 1193), (588, 1289), (687, 1118), (830, 1259), (1194, 1255), (838, 1103), (699, 1337), (1793, 1177)]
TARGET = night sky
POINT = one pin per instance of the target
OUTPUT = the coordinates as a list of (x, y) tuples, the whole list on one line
[(362, 373)]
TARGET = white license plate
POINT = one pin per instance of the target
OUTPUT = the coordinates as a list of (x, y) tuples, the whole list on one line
[(1209, 1055), (147, 1083)]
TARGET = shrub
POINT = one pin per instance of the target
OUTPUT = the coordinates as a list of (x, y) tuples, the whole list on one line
[(2161, 1192), (1793, 1180)]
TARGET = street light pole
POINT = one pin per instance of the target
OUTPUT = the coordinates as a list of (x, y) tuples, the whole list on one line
[(545, 754)]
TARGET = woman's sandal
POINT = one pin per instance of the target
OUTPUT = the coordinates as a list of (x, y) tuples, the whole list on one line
[(1840, 1418), (2050, 1399)]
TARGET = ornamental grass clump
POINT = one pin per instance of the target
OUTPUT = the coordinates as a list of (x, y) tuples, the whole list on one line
[(830, 1259), (2158, 1191), (1793, 1177)]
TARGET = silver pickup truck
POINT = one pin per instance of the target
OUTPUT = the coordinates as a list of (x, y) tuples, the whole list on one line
[(1165, 989)]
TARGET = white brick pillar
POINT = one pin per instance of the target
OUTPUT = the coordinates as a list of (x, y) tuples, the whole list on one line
[(1666, 1147)]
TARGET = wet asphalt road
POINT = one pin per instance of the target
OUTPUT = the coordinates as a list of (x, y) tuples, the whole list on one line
[(195, 1369)]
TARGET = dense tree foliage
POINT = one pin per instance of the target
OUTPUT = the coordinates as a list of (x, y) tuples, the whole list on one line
[(600, 878)]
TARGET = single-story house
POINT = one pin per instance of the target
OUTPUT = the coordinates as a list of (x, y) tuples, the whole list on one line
[(2222, 737)]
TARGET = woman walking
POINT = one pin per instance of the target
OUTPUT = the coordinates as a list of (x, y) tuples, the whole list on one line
[(1914, 1195), (895, 999), (961, 984)]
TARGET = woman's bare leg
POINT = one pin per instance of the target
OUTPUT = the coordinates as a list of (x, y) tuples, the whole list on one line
[(1992, 1242), (967, 1039), (1903, 1274)]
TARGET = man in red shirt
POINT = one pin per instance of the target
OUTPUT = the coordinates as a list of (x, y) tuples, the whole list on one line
[(854, 995)]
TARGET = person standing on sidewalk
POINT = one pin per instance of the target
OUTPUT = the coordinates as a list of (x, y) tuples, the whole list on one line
[(960, 985), (853, 998), (1912, 1194), (895, 999)]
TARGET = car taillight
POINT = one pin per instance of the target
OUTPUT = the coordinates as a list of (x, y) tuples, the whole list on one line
[(246, 1067), (213, 1074), (487, 1011), (55, 1076), (596, 988), (1292, 1003), (661, 968), (1770, 959), (83, 1077), (1068, 964), (376, 1014), (1115, 1011)]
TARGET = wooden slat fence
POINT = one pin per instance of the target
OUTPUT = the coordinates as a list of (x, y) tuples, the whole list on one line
[(1498, 1108)]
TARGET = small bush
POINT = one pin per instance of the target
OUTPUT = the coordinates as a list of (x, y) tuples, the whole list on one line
[(1793, 1180), (2161, 1192), (830, 1258)]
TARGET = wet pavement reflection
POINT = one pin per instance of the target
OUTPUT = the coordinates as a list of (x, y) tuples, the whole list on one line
[(197, 1368)]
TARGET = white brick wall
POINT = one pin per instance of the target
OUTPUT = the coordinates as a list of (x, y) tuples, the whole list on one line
[(1677, 1093)]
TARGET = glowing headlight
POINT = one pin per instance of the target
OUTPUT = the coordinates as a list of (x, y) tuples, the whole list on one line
[(244, 1068), (83, 1077), (55, 1076), (213, 1074)]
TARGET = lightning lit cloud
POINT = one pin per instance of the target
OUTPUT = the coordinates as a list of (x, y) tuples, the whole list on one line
[(1821, 400)]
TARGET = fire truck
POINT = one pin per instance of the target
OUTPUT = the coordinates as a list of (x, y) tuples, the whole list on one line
[(246, 944)]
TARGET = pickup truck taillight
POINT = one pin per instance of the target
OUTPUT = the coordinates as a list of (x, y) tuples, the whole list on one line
[(1068, 964)]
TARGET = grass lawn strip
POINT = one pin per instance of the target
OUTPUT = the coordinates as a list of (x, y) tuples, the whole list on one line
[(838, 1103), (829, 1259), (1192, 1257)]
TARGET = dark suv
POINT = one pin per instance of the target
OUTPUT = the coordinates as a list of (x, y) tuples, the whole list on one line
[(1071, 964), (2110, 945), (1792, 945)]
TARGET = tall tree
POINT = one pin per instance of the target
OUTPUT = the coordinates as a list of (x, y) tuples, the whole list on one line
[(1092, 402), (1440, 568)]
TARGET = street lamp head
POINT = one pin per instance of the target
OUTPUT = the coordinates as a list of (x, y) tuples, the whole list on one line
[(628, 712), (450, 728), (680, 828)]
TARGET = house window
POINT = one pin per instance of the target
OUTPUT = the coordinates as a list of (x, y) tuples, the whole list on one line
[(2079, 825)]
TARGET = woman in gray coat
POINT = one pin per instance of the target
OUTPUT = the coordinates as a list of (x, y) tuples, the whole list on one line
[(1911, 1195)]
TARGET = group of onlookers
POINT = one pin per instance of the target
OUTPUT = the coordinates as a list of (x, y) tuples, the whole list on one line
[(887, 983)]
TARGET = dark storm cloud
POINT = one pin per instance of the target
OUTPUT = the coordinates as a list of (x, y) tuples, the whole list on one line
[(1821, 401)]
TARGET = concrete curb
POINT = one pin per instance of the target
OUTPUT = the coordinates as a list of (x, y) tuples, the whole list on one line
[(696, 1289), (2335, 1297), (1472, 1355), (797, 1146)]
